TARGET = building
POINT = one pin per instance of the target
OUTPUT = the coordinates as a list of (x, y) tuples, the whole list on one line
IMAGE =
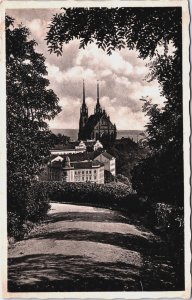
[(97, 126), (62, 169), (97, 146), (72, 148), (109, 162), (76, 147)]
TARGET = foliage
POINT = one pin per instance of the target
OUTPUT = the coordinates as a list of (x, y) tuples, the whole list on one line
[(29, 105), (160, 175), (59, 139), (116, 28), (127, 154), (34, 204), (111, 195), (124, 180), (169, 216), (108, 177), (14, 225), (37, 204)]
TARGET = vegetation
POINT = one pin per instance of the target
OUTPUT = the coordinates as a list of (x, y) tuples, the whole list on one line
[(110, 195), (127, 154), (29, 104), (59, 139)]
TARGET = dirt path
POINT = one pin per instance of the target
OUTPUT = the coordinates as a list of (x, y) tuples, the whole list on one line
[(87, 249)]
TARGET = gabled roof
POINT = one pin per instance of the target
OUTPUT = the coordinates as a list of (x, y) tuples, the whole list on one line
[(107, 155)]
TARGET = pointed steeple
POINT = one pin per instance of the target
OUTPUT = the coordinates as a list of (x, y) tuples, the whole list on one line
[(83, 92), (98, 108), (84, 106), (83, 116), (97, 92)]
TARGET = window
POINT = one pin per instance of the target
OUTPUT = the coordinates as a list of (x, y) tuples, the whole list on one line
[(89, 171), (95, 171), (83, 178), (95, 177), (82, 172)]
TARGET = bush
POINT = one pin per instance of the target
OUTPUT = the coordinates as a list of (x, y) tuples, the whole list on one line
[(170, 221), (14, 225), (108, 177), (37, 204), (111, 195), (124, 179), (35, 207)]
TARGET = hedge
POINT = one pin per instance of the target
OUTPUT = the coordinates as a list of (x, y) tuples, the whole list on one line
[(112, 195)]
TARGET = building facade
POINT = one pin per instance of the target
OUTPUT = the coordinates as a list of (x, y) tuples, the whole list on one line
[(109, 162), (62, 169), (97, 126)]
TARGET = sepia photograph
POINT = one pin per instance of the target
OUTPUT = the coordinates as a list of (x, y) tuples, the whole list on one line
[(97, 104)]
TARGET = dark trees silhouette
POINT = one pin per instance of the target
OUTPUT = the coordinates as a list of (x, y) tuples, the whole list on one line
[(29, 105)]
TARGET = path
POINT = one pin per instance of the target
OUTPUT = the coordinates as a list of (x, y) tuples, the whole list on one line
[(87, 249)]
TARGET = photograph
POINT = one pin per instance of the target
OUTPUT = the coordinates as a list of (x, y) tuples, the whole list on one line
[(97, 145)]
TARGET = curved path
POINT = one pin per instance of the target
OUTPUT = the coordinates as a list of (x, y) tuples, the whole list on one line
[(88, 249)]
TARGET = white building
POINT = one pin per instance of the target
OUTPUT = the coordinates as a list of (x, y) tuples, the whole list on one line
[(69, 149), (97, 145), (61, 169), (109, 162)]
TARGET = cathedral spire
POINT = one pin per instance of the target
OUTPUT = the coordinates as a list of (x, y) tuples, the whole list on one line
[(97, 92), (84, 109), (98, 108), (83, 92)]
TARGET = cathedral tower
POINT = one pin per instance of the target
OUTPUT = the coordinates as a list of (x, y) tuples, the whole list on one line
[(83, 115), (98, 109)]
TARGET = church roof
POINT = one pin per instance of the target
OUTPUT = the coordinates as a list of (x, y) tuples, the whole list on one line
[(92, 122)]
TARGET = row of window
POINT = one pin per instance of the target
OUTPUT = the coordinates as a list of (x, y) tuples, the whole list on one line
[(84, 172), (87, 178)]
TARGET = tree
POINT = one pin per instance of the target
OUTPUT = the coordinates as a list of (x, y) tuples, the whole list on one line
[(143, 29), (29, 105)]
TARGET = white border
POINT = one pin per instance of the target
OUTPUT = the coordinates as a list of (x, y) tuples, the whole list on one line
[(186, 131)]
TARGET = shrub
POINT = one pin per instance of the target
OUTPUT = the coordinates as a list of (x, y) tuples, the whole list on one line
[(36, 205), (111, 195), (124, 179), (169, 216), (14, 225)]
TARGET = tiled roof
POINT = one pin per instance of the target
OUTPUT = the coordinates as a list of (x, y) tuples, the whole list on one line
[(89, 164), (86, 164), (107, 155)]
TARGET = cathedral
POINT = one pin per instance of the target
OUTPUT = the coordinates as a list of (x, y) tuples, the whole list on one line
[(97, 126)]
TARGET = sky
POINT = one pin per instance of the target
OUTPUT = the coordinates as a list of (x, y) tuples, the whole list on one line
[(121, 77)]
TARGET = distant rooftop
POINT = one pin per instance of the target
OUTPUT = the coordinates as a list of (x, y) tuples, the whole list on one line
[(106, 154)]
